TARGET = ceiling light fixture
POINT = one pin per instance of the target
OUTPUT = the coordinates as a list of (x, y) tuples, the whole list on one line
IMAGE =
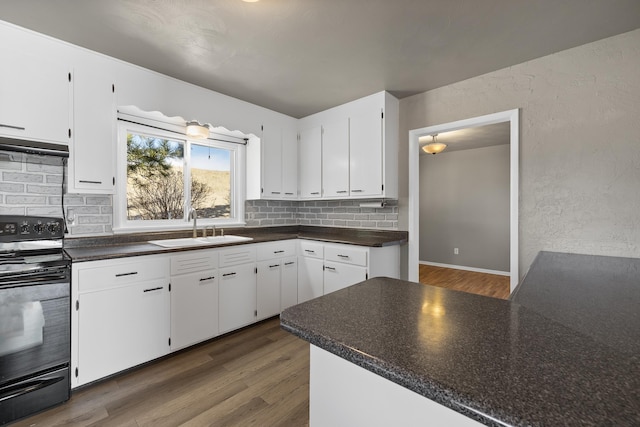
[(434, 147), (197, 131)]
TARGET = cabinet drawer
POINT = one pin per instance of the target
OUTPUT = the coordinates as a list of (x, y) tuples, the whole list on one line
[(311, 249), (346, 254), (101, 275), (240, 255), (195, 261), (285, 248)]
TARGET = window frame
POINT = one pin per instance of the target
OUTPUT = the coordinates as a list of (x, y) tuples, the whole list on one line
[(177, 133)]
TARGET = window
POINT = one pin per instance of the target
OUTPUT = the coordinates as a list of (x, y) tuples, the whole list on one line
[(163, 175)]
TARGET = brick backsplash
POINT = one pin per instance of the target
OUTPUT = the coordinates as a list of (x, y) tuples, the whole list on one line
[(32, 188), (337, 213), (36, 189)]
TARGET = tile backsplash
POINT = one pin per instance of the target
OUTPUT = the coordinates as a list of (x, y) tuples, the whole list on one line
[(334, 213), (36, 189)]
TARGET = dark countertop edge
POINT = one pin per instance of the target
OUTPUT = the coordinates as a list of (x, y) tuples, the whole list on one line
[(111, 247), (430, 390)]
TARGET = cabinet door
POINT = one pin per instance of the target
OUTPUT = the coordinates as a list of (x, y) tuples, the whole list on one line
[(93, 149), (365, 155), (335, 159), (289, 164), (271, 163), (339, 276), (310, 149), (35, 96), (289, 283), (122, 327), (268, 288), (309, 278), (194, 308), (237, 293)]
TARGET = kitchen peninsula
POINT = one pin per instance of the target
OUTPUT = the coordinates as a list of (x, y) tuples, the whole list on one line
[(562, 351)]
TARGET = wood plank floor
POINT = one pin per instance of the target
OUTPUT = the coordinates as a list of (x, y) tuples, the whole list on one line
[(258, 376), (491, 285)]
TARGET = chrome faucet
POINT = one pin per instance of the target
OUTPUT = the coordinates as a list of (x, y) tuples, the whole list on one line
[(193, 215)]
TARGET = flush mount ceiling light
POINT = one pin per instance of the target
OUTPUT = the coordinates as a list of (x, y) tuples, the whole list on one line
[(196, 130), (434, 147)]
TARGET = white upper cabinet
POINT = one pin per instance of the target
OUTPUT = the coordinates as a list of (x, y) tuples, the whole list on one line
[(335, 159), (93, 149), (310, 151), (272, 164), (359, 149), (35, 95), (290, 163), (365, 154)]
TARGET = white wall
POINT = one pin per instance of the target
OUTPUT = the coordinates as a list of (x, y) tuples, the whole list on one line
[(464, 204), (580, 144)]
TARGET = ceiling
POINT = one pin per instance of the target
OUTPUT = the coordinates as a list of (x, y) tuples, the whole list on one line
[(299, 57)]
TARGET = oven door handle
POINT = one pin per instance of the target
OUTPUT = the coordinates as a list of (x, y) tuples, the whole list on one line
[(33, 278), (27, 387)]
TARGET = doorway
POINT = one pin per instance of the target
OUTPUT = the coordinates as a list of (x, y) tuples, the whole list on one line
[(510, 116)]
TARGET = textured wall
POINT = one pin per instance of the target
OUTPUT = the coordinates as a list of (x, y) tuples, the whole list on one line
[(464, 204), (580, 143)]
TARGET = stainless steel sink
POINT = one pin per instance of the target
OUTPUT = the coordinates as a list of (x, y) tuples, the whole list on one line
[(198, 241)]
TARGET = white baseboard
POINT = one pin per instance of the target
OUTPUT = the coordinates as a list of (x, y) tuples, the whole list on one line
[(464, 267)]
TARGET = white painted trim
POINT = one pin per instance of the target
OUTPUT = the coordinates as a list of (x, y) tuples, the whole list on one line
[(465, 268), (511, 116)]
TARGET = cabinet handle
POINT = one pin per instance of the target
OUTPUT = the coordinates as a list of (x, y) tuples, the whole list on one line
[(315, 192), (153, 289), (357, 191), (133, 273), (288, 194), (341, 191), (329, 268), (310, 251), (289, 263), (228, 274), (275, 192), (274, 265), (207, 278), (2, 125), (83, 181), (343, 256), (278, 252)]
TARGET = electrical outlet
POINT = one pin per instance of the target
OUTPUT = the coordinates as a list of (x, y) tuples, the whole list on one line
[(456, 251)]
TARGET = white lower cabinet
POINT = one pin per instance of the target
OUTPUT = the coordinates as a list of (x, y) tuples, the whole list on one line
[(237, 297), (121, 316), (128, 311), (237, 289), (328, 267), (339, 276), (268, 288), (194, 298), (277, 282), (289, 283), (310, 266)]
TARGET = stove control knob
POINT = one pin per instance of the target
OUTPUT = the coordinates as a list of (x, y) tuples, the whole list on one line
[(38, 228), (24, 228), (53, 227)]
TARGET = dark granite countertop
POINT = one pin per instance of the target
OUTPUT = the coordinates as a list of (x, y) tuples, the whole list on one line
[(135, 244), (498, 362)]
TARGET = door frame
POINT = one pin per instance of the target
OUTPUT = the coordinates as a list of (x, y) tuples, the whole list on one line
[(511, 116)]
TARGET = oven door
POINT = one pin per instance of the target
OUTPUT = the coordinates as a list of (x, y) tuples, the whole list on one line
[(35, 332)]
